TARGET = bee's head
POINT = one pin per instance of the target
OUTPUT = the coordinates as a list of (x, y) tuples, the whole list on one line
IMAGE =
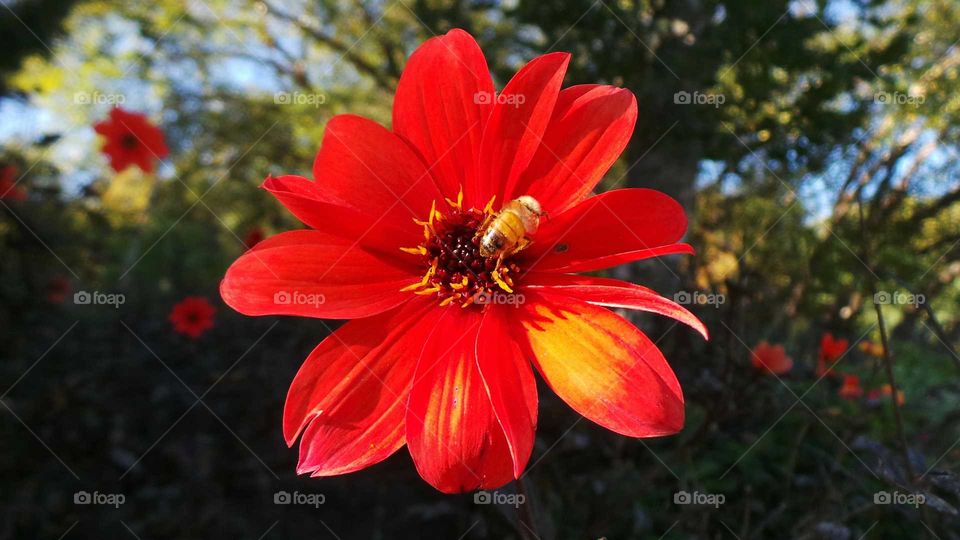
[(530, 204)]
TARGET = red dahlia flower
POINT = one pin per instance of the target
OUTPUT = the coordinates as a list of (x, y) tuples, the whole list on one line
[(438, 354), (192, 316), (831, 349), (851, 388), (9, 190), (131, 140), (771, 358)]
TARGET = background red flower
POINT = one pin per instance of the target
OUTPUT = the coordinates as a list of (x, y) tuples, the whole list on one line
[(131, 139), (192, 316)]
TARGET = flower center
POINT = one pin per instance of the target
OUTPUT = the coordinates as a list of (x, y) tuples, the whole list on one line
[(128, 141), (456, 271)]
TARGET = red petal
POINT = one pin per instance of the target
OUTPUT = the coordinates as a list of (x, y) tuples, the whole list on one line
[(442, 104), (452, 431), (611, 228), (516, 127), (602, 366), (314, 274), (351, 392), (590, 127), (510, 385), (319, 209), (612, 293), (374, 170)]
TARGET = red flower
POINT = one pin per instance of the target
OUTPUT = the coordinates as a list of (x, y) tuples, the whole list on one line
[(831, 350), (58, 288), (192, 316), (438, 356), (771, 358), (254, 236), (9, 190), (131, 140), (851, 388)]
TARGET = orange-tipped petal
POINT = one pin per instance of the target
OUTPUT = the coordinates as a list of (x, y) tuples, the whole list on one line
[(602, 366), (612, 293)]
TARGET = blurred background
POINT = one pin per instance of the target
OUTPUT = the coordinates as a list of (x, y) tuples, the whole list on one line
[(814, 145)]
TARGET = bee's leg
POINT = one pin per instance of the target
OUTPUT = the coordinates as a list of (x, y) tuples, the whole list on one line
[(522, 244)]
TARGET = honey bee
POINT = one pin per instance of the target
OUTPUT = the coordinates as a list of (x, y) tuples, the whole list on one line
[(508, 231)]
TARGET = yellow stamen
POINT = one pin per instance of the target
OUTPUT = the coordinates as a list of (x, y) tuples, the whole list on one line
[(503, 284), (419, 250), (489, 207), (425, 292), (447, 300)]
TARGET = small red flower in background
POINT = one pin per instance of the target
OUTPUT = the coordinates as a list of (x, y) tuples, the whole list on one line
[(58, 288), (438, 354), (131, 140), (253, 237), (771, 358), (9, 190), (831, 349), (851, 388), (885, 391), (192, 316)]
